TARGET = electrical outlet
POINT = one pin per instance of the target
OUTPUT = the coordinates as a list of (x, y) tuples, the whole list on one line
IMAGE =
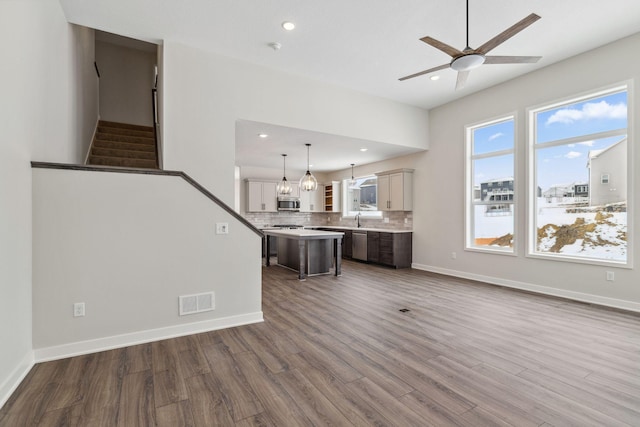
[(78, 309), (222, 228), (386, 220), (453, 255), (610, 276), (406, 220)]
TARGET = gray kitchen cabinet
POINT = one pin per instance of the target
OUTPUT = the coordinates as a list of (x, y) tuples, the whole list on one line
[(261, 196), (395, 249), (373, 246), (395, 190)]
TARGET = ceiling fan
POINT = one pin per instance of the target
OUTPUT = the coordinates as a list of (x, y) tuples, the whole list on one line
[(463, 61)]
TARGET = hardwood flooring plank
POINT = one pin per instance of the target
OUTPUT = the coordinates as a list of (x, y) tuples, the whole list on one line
[(591, 397), (478, 417), (431, 412), (280, 407), (207, 403), (359, 412), (101, 401), (539, 401), (168, 387), (392, 409), (137, 407), (231, 382), (175, 415), (313, 403)]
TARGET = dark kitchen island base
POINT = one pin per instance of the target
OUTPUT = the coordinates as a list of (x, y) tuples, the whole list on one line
[(309, 252)]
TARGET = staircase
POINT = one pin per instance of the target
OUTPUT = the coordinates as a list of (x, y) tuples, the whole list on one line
[(124, 145)]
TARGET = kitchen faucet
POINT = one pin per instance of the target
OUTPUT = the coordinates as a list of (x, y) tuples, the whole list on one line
[(358, 219)]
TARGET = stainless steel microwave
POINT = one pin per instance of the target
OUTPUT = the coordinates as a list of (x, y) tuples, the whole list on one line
[(287, 203)]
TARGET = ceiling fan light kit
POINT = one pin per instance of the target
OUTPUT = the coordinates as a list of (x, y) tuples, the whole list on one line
[(467, 62), (468, 59)]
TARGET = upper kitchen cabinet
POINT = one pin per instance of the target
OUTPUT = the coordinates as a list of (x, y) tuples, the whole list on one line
[(295, 190), (261, 196), (332, 197), (395, 190), (312, 201)]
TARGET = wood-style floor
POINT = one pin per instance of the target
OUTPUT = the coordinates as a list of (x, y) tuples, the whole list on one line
[(339, 351)]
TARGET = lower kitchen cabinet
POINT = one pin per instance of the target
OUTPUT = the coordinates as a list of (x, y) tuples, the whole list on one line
[(395, 249), (373, 246), (347, 243)]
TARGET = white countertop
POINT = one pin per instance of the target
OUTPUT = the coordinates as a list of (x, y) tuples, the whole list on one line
[(303, 233), (379, 230)]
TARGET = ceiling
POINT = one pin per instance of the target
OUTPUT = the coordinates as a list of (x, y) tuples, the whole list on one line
[(252, 150), (367, 45)]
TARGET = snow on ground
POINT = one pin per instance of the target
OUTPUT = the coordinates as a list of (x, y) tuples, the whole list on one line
[(606, 241)]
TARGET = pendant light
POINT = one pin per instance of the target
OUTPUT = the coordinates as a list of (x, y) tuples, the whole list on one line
[(352, 182), (284, 187), (308, 182)]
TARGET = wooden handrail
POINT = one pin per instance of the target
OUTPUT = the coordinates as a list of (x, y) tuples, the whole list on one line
[(113, 169)]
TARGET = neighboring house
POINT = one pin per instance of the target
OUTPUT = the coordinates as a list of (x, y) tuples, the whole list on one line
[(608, 174), (498, 196), (561, 191), (497, 190)]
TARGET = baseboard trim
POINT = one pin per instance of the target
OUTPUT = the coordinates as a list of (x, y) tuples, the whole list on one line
[(546, 290), (117, 341), (13, 381)]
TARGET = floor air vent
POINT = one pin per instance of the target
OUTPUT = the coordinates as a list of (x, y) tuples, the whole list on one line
[(197, 303)]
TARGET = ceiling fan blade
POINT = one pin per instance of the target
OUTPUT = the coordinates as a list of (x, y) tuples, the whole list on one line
[(462, 79), (451, 51), (507, 34), (430, 70), (511, 59)]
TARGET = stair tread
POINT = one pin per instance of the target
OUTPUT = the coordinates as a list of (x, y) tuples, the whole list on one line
[(124, 132), (122, 162), (121, 145), (124, 138), (121, 125), (124, 153)]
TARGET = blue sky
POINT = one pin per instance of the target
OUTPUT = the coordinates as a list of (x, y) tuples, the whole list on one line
[(556, 165)]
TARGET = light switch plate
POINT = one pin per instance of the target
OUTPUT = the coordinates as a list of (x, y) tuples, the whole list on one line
[(222, 228)]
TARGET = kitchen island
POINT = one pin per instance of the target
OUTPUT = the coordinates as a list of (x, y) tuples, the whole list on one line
[(309, 252)]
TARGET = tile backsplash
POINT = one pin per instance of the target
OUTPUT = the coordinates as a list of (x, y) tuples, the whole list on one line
[(397, 220)]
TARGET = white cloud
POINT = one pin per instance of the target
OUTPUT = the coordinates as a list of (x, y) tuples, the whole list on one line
[(589, 111), (572, 155), (588, 143), (496, 136)]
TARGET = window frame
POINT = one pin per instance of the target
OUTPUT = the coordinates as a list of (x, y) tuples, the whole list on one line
[(469, 204), (531, 180), (377, 214)]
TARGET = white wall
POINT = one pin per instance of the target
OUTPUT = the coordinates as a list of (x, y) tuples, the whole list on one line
[(127, 246), (439, 209), (126, 80), (204, 95), (40, 111)]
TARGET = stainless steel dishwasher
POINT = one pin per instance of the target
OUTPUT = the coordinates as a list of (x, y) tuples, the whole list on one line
[(359, 245)]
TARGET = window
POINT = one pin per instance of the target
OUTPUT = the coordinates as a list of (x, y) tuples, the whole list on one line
[(361, 198), (575, 147), (490, 186)]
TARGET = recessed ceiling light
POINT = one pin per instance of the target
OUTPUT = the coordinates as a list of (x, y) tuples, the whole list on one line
[(434, 78), (263, 135), (363, 149), (288, 25)]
